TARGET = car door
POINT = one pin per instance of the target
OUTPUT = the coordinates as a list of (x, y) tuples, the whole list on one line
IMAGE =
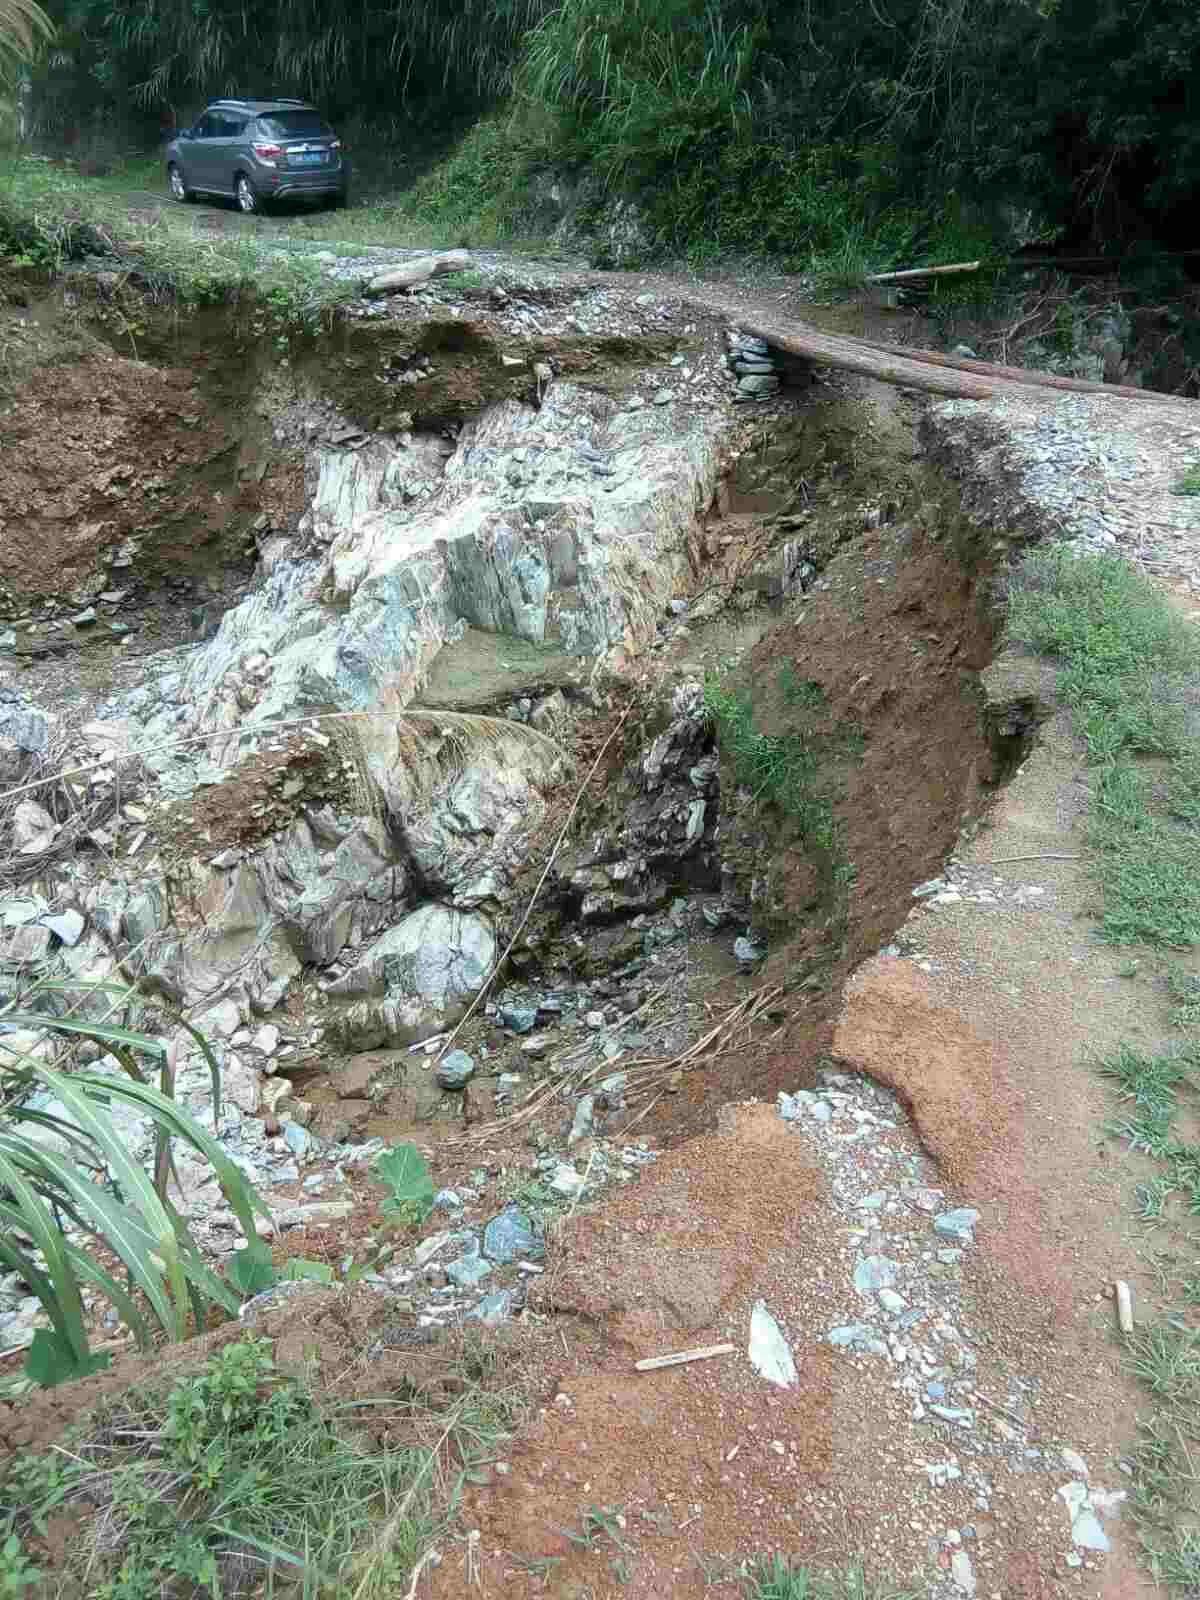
[(196, 150), (226, 149)]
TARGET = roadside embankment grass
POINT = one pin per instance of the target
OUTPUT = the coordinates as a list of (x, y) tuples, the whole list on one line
[(239, 1480), (1131, 675)]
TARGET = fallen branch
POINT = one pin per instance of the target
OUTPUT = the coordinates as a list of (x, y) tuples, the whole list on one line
[(410, 274), (1008, 861), (703, 1353), (923, 272)]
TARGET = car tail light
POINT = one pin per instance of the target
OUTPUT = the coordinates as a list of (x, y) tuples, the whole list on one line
[(268, 153)]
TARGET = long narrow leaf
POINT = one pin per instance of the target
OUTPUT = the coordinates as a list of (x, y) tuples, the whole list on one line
[(38, 1223), (102, 1032), (207, 1053), (92, 1272), (243, 1198), (100, 1214), (21, 1261), (78, 1095), (18, 1115)]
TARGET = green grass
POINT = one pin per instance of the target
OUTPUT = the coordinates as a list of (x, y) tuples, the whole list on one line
[(232, 1482), (776, 1578), (1188, 482), (787, 770), (205, 254), (1131, 675)]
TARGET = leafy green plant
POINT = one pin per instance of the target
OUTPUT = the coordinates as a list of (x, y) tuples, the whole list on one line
[(69, 1183), (17, 1572), (777, 1578), (237, 1481), (402, 1168), (1188, 481), (252, 1270)]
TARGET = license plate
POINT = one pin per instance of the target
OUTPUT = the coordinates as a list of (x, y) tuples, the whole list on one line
[(310, 158)]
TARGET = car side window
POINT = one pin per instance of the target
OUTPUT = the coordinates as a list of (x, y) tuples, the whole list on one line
[(230, 127), (204, 128)]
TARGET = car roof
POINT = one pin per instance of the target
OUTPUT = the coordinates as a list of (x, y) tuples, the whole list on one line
[(257, 107)]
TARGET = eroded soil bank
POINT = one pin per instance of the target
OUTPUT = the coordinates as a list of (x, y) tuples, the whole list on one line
[(499, 598)]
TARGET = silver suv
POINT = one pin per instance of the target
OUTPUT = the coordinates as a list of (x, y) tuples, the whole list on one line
[(255, 151)]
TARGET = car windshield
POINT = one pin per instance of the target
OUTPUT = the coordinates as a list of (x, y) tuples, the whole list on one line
[(295, 125)]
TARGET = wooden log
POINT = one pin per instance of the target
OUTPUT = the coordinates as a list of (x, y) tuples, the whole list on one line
[(409, 274), (911, 273), (952, 376)]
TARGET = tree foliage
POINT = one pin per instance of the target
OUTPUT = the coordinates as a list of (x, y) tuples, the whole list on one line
[(1084, 112)]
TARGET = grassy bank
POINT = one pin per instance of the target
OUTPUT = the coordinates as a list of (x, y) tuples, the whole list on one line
[(1131, 675)]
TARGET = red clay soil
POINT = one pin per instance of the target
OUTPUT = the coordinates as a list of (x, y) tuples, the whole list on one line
[(895, 638)]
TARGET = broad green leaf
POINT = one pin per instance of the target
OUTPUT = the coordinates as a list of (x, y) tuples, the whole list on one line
[(402, 1168), (52, 1361), (251, 1270), (310, 1271)]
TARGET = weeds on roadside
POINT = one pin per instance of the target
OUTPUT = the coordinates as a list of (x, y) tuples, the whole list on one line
[(1188, 481), (1131, 675), (776, 1578), (235, 1481)]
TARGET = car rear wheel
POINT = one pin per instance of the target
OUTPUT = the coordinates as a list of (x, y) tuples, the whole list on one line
[(179, 188), (246, 195)]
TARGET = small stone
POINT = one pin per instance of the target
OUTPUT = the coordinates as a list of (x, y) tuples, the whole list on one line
[(769, 1352), (536, 1048), (957, 1224), (595, 1019), (1087, 1533), (84, 619), (33, 828), (746, 953), (297, 1138), (564, 1180), (455, 1070), (67, 926), (447, 1200), (585, 1116), (1074, 1463), (874, 1272), (433, 1245), (891, 1301), (467, 1271), (493, 1309), (954, 1414), (509, 1235), (612, 1089), (266, 1039), (758, 384), (521, 1019), (962, 1570)]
